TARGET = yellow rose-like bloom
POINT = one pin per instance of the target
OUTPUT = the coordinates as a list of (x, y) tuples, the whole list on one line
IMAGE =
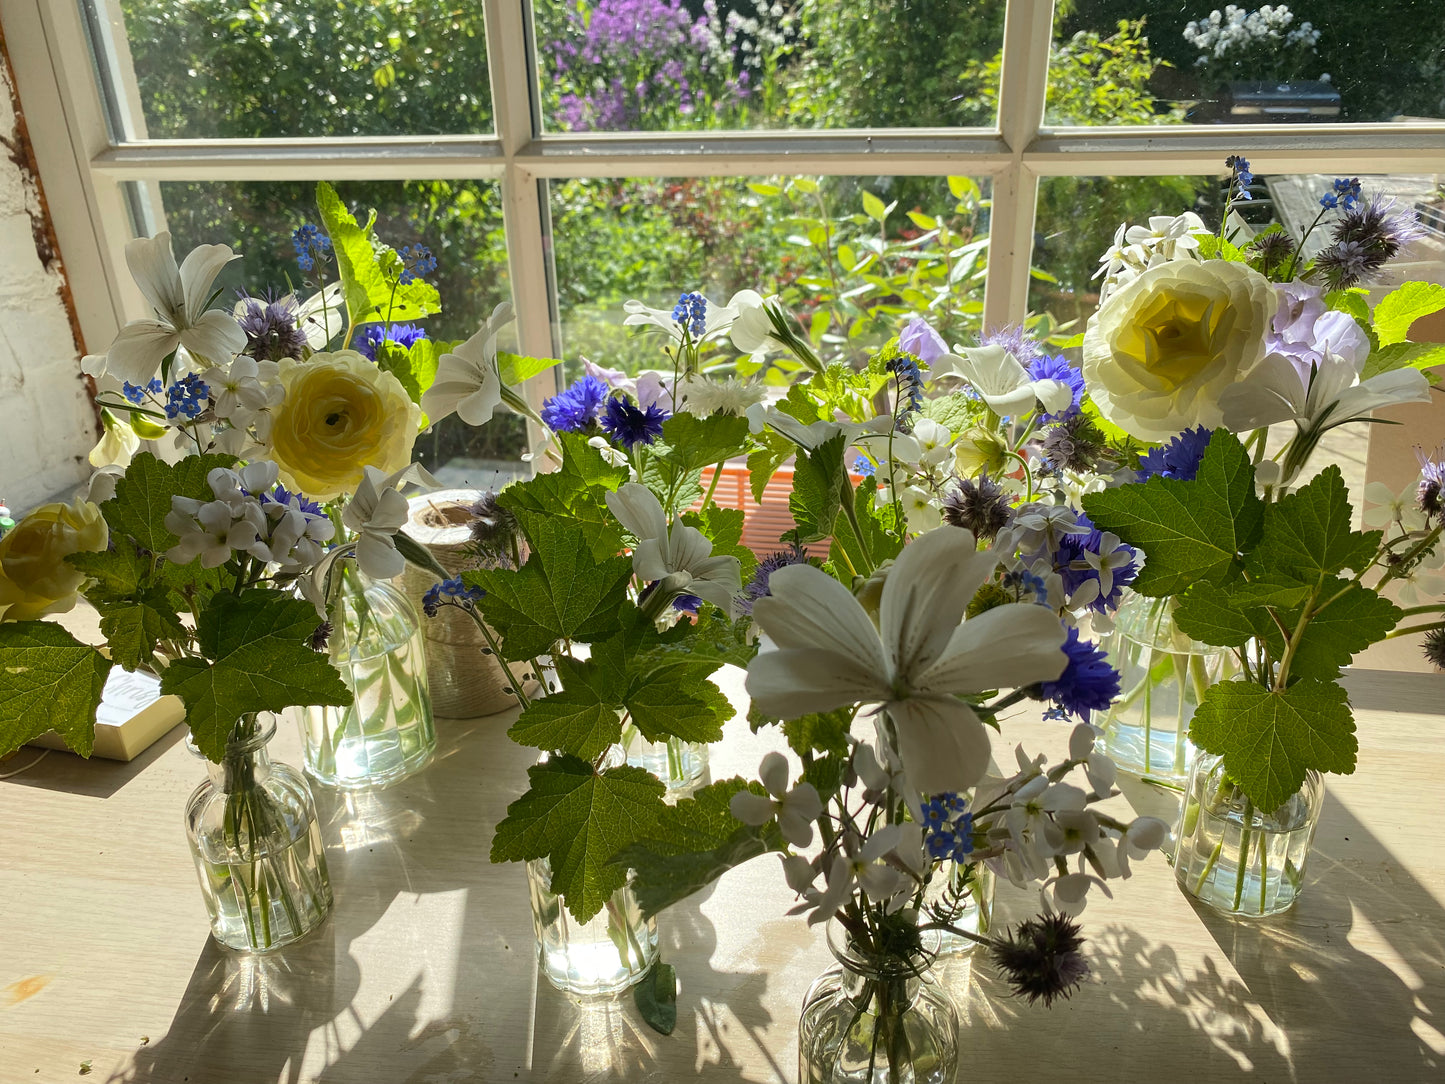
[(34, 577), (341, 414), (1162, 348)]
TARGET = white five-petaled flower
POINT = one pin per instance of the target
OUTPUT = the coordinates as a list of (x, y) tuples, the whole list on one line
[(860, 864), (1383, 507), (1100, 770), (916, 664), (467, 379), (179, 297), (1276, 391), (812, 434), (1002, 382), (795, 809), (682, 554), (375, 513)]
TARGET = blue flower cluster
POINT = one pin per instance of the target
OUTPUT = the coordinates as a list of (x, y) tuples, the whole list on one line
[(1024, 583), (627, 423), (451, 592), (1088, 682), (417, 262), (864, 466), (310, 245), (1178, 459), (1058, 368), (910, 390), (1072, 563), (187, 397), (574, 409), (137, 394), (1346, 193), (374, 335), (691, 312), (947, 827), (1242, 179)]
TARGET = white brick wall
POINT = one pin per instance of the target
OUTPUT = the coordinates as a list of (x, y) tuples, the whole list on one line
[(47, 424)]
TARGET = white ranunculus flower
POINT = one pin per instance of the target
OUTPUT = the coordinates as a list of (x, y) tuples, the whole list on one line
[(179, 297), (467, 380), (1164, 347), (1276, 391), (1002, 381), (915, 664), (680, 551)]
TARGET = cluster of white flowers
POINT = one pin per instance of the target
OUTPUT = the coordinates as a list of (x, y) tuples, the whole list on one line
[(1138, 248), (1235, 30), (245, 395), (277, 528)]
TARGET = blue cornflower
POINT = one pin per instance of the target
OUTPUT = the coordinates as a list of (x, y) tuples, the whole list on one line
[(1075, 569), (629, 424), (691, 312), (373, 335), (1058, 368), (1088, 682), (757, 587), (283, 496), (187, 397), (1178, 459), (910, 389), (864, 466), (310, 245), (1243, 178), (417, 262), (573, 410), (136, 394)]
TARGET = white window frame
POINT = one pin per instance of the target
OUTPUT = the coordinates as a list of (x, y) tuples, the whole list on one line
[(84, 168)]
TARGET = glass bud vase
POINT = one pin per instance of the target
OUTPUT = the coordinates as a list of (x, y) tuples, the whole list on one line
[(597, 958), (877, 1019), (1163, 677), (1235, 858), (257, 845), (679, 764), (387, 732), (962, 896)]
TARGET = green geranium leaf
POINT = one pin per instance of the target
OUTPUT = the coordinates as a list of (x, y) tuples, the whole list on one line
[(1269, 739), (260, 660), (579, 488), (818, 480), (1189, 531), (563, 592), (1403, 356), (1356, 618), (656, 998), (372, 295), (825, 732), (692, 844), (1230, 616), (663, 707), (1400, 308), (143, 497), (52, 682), (772, 452), (879, 526), (582, 718), (1307, 534), (415, 367), (579, 819), (691, 443), (956, 411), (516, 369)]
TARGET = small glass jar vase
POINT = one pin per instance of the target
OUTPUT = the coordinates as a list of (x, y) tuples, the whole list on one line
[(387, 732), (1163, 677), (877, 1019), (257, 844), (962, 896), (597, 958), (1235, 858), (679, 764)]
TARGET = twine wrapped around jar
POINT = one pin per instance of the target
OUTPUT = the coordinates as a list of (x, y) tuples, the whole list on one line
[(464, 683)]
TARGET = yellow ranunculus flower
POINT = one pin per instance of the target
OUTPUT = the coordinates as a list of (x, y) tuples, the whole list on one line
[(35, 578), (341, 414), (1162, 348)]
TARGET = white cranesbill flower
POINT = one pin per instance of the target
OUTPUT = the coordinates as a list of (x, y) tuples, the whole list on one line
[(795, 809), (751, 330), (1332, 395), (375, 513), (916, 664), (1002, 381), (467, 379), (682, 553)]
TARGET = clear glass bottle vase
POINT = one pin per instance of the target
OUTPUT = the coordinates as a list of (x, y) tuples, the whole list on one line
[(1232, 856), (257, 845), (1163, 677), (376, 642), (597, 958), (877, 1019), (679, 764)]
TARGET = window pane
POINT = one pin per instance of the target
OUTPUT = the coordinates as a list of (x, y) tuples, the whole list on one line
[(1207, 63), (850, 279), (459, 221), (217, 68), (657, 65)]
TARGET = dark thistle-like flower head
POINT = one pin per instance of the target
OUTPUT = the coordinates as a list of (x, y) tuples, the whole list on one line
[(1366, 237), (1435, 648), (493, 527), (1178, 458), (1041, 958), (1432, 479), (574, 409), (1272, 250), (271, 328), (629, 424), (979, 506), (321, 636), (1073, 444), (757, 587), (1088, 682)]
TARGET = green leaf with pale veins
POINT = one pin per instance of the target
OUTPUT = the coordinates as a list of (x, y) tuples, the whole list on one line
[(1401, 307), (692, 844), (690, 443), (580, 819), (1346, 626), (415, 367), (582, 718), (562, 593), (818, 480), (1188, 531), (1270, 739), (825, 732), (143, 496), (723, 527), (579, 488), (371, 294), (663, 707), (260, 659), (1405, 355), (763, 461), (517, 369), (133, 627), (1307, 534), (51, 682), (1231, 616)]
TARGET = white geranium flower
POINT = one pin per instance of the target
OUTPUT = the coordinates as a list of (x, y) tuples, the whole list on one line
[(1003, 383), (375, 514), (683, 552), (179, 298), (915, 664), (751, 331), (1276, 391), (467, 379), (795, 809), (116, 445)]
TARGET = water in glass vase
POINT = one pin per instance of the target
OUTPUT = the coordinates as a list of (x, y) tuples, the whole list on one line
[(602, 956), (253, 896), (679, 764)]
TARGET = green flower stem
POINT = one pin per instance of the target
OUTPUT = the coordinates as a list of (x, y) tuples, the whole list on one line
[(1411, 630), (846, 493), (497, 651), (1245, 836)]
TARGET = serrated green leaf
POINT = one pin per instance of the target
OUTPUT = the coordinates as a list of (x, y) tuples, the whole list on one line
[(415, 368), (578, 488), (260, 659), (825, 732), (1354, 620), (117, 572), (1401, 307), (1404, 355), (955, 411), (692, 844), (1348, 301), (515, 369), (656, 998), (579, 819), (1269, 739), (583, 718), (1188, 531), (51, 682), (135, 626), (763, 461), (818, 480), (1306, 535), (371, 295), (723, 527), (663, 707), (143, 496), (690, 443)]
